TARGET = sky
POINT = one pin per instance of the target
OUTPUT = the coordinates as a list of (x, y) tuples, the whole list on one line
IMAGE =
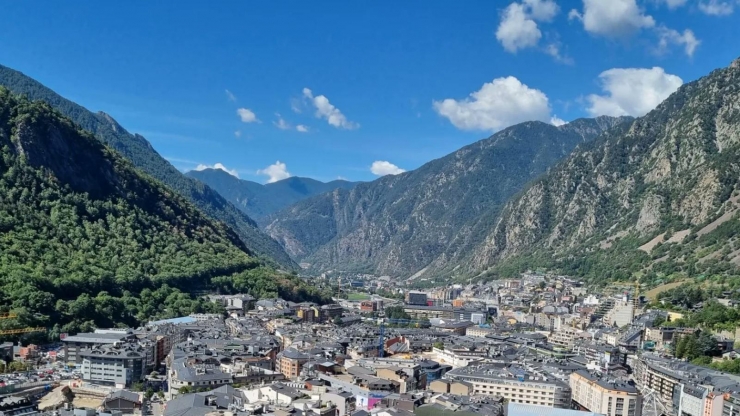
[(357, 90)]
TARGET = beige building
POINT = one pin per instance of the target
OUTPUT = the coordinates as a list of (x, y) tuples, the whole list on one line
[(527, 389), (590, 393), (564, 338), (476, 331), (460, 388)]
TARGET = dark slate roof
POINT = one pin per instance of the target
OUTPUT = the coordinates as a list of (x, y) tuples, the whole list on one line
[(125, 395)]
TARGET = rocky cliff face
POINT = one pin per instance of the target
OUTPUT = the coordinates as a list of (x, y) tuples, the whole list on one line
[(675, 169), (421, 221)]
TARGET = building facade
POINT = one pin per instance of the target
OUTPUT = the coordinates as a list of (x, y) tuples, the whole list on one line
[(590, 393)]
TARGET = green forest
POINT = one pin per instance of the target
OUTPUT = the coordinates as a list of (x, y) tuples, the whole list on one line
[(87, 240), (144, 157)]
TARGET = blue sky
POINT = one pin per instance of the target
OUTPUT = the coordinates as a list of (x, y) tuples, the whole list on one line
[(373, 84)]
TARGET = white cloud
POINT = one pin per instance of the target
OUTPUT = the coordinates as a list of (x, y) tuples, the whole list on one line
[(281, 123), (632, 91), (301, 128), (518, 27), (324, 109), (553, 49), (498, 104), (238, 133), (542, 10), (612, 18), (716, 7), (246, 115), (673, 4), (516, 30), (275, 172), (557, 121), (220, 166), (230, 96), (383, 167), (667, 37)]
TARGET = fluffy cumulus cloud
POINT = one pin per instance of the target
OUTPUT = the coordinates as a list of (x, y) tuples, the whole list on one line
[(518, 27), (327, 111), (383, 167), (612, 18), (632, 91), (301, 128), (516, 30), (668, 37), (246, 115), (275, 172), (716, 7), (219, 166), (498, 104)]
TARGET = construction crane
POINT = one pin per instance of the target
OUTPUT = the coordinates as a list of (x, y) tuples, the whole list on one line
[(21, 331), (17, 331), (381, 335)]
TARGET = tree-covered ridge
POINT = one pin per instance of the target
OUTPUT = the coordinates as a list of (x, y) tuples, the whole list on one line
[(140, 152), (85, 239), (657, 199)]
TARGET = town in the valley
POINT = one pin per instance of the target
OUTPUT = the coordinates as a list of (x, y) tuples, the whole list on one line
[(539, 344)]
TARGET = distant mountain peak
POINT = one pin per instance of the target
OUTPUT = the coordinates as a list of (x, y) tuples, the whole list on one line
[(258, 200)]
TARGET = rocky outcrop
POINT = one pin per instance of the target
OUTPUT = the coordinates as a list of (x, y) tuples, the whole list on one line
[(675, 167), (428, 219)]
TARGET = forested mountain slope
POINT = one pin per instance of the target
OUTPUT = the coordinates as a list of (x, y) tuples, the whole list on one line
[(258, 200), (655, 198), (87, 240), (140, 152), (421, 221)]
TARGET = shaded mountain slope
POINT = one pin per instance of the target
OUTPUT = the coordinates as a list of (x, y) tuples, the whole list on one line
[(87, 240), (140, 152)]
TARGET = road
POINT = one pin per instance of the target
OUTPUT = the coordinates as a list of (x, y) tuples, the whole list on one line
[(157, 409)]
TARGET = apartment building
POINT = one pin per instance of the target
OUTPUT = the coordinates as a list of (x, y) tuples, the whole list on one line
[(564, 338), (515, 385), (114, 365), (414, 297), (85, 341), (594, 394), (290, 362)]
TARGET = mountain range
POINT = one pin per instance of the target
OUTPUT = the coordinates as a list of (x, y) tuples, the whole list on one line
[(656, 197), (87, 240), (141, 153), (609, 198), (258, 200), (421, 221)]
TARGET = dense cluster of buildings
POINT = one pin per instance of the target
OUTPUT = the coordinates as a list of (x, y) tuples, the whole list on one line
[(535, 345)]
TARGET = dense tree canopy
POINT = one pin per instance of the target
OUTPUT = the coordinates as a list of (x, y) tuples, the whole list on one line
[(87, 240)]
